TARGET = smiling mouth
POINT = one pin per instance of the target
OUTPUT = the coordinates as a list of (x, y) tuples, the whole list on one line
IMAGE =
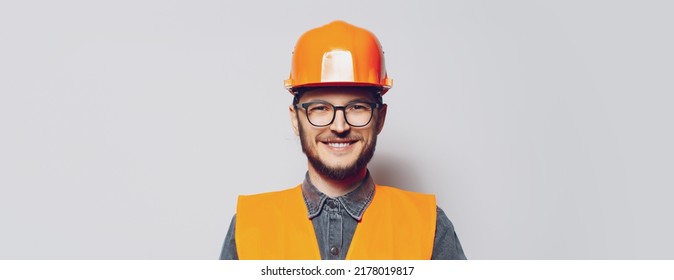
[(339, 144)]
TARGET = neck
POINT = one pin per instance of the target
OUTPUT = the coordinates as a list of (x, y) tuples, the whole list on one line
[(335, 188)]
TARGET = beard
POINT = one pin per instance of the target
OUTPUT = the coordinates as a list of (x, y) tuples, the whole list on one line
[(342, 172)]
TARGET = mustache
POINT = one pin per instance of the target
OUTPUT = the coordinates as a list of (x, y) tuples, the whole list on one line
[(338, 138)]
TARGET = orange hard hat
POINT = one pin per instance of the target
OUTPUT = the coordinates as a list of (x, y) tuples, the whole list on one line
[(338, 54)]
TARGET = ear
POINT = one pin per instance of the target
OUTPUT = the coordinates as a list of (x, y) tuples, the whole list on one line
[(381, 118), (293, 119)]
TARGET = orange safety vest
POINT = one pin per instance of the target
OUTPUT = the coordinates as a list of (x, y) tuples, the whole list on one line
[(397, 224)]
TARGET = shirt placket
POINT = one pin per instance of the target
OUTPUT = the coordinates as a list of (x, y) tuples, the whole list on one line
[(335, 225)]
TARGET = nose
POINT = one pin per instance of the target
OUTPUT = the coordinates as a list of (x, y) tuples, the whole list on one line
[(339, 124)]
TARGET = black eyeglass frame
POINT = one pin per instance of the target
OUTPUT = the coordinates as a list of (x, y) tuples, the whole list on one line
[(373, 107)]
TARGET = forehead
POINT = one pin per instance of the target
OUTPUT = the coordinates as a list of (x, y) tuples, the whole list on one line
[(337, 94)]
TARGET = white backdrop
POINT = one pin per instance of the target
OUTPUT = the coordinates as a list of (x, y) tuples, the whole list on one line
[(128, 128)]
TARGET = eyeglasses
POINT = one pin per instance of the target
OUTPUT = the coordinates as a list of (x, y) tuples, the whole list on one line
[(320, 113)]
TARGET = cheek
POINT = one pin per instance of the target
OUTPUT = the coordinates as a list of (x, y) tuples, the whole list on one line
[(368, 137), (308, 135)]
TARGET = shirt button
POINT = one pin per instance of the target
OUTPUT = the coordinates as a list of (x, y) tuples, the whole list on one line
[(332, 203), (334, 251)]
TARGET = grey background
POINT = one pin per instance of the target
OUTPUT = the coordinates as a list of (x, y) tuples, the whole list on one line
[(127, 128)]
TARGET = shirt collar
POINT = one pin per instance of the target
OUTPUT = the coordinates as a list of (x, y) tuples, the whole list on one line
[(354, 202)]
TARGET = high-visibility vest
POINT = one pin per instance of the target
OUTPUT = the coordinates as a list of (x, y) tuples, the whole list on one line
[(397, 224)]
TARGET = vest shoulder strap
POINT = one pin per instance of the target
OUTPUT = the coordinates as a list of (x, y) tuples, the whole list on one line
[(398, 224), (275, 225)]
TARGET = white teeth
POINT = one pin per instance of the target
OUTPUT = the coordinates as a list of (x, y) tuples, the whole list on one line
[(339, 145)]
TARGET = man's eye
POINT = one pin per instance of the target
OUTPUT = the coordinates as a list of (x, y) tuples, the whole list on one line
[(359, 107), (318, 108)]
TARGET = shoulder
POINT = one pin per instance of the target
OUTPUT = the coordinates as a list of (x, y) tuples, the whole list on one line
[(394, 192), (397, 190), (274, 202), (406, 203), (446, 245)]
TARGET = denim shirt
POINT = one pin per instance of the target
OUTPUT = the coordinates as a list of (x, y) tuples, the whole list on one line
[(335, 221)]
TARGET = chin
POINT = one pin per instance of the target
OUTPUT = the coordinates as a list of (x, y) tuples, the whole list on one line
[(341, 166), (339, 163)]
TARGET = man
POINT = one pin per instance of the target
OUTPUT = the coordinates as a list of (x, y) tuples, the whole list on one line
[(338, 79)]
